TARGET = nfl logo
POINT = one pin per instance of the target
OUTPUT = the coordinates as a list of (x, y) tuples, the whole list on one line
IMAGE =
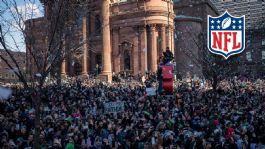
[(226, 35)]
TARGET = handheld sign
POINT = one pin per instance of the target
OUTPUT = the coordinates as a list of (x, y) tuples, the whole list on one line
[(113, 107), (5, 93), (151, 91)]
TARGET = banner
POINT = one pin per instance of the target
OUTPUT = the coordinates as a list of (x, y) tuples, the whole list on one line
[(151, 91), (114, 107)]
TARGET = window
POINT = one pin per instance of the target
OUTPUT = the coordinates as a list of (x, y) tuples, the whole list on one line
[(248, 56), (6, 75)]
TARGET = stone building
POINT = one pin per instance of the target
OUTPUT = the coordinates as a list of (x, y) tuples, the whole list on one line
[(36, 41), (190, 27), (7, 74), (141, 29), (139, 32)]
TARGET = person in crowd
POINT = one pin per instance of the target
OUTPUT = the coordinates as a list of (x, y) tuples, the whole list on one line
[(167, 56), (73, 117)]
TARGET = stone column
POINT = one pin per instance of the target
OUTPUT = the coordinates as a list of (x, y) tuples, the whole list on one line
[(85, 50), (106, 51), (173, 41), (143, 48), (168, 37), (135, 56), (115, 50), (163, 37), (153, 51), (63, 64), (63, 71)]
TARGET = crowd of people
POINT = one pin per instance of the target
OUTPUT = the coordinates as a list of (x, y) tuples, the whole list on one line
[(73, 116)]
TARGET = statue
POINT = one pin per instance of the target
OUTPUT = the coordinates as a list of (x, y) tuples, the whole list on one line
[(168, 56)]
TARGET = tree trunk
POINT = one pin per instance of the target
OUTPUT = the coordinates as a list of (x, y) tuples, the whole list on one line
[(214, 85), (36, 102), (215, 82)]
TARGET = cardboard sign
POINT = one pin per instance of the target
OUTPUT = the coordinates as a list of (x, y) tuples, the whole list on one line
[(114, 107), (151, 91)]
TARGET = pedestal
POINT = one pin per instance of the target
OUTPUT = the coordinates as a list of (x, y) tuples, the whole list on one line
[(106, 77), (63, 76), (85, 76)]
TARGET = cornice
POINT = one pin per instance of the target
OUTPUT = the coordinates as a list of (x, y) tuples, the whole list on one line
[(142, 14)]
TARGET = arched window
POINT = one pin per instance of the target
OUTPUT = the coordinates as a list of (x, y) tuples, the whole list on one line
[(98, 24)]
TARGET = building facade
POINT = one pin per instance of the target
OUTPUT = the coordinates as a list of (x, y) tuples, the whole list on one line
[(190, 31), (139, 32), (36, 42), (7, 74)]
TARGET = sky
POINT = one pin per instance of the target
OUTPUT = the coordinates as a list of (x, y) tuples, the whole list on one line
[(10, 22)]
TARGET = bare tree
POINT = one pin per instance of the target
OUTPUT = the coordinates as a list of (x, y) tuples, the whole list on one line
[(214, 67), (57, 24)]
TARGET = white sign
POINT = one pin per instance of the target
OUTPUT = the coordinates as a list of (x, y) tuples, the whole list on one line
[(5, 93), (151, 91), (114, 107), (263, 55)]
